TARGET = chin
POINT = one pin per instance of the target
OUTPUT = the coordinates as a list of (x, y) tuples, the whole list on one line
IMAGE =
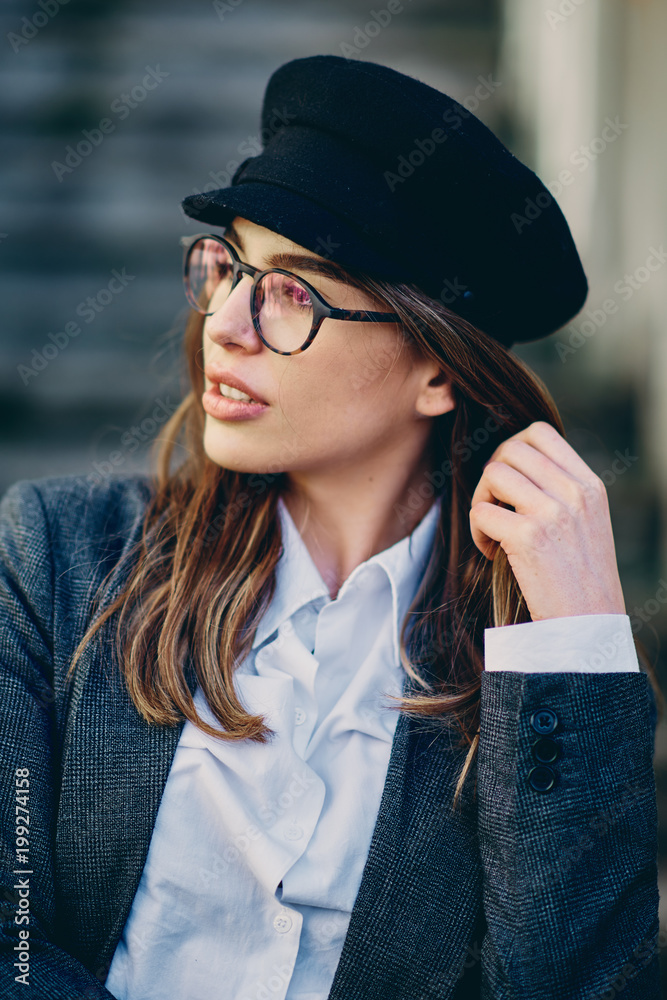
[(227, 458), (233, 456)]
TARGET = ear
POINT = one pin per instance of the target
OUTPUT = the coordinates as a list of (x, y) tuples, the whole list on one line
[(435, 393)]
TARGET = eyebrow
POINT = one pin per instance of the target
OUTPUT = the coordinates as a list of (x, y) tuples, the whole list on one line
[(294, 261)]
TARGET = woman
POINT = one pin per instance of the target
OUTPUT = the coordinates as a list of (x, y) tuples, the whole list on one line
[(203, 671)]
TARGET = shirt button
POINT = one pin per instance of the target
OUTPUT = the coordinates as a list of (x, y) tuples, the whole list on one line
[(294, 832), (299, 715), (282, 923)]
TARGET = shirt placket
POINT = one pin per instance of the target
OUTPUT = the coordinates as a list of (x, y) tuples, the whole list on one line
[(290, 654)]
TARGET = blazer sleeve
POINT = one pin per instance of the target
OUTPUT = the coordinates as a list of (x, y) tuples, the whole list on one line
[(568, 847), (29, 750)]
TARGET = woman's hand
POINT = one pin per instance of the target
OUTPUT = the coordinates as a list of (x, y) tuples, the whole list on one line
[(558, 539)]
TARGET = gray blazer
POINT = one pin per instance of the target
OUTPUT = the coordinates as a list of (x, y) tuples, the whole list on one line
[(522, 894)]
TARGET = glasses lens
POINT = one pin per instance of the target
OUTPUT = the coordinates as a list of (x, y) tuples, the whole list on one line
[(208, 275), (285, 311)]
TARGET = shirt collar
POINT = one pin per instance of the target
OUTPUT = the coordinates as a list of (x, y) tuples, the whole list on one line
[(298, 580)]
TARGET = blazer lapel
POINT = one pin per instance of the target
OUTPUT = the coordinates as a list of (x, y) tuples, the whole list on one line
[(115, 767), (419, 902)]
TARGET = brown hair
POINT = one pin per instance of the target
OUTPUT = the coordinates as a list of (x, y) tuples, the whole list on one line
[(203, 571)]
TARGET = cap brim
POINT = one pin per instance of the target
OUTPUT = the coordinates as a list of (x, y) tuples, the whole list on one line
[(291, 215)]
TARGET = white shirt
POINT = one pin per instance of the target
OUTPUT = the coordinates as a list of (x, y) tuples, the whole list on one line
[(258, 850)]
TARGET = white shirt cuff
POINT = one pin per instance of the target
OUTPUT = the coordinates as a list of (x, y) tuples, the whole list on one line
[(576, 644)]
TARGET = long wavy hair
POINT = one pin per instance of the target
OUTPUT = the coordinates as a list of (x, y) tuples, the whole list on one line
[(202, 573)]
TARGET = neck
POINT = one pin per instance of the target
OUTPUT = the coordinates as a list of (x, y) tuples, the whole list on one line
[(345, 516)]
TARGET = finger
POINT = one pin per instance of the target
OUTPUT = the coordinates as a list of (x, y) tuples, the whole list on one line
[(490, 525), (501, 482), (540, 470), (546, 439)]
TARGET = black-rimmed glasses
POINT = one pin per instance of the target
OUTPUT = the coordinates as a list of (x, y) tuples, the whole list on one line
[(286, 311)]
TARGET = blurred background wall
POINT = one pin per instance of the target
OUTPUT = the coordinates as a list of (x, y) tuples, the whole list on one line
[(114, 111)]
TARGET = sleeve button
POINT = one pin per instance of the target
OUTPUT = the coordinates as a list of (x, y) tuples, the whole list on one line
[(544, 721), (546, 750), (542, 778)]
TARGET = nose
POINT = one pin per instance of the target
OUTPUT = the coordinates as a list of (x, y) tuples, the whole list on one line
[(231, 323)]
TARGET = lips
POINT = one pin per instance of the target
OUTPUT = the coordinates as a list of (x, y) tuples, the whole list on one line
[(220, 375)]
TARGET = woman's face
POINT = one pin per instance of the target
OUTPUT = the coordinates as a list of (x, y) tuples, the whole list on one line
[(358, 391)]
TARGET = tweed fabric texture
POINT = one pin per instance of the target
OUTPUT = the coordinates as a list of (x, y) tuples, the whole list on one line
[(518, 894)]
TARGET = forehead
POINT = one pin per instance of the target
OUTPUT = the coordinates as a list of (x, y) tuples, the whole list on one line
[(275, 250), (246, 231)]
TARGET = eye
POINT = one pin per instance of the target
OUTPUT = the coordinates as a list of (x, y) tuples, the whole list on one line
[(297, 294)]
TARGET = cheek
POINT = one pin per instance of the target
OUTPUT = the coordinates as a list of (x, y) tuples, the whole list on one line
[(350, 385), (378, 370)]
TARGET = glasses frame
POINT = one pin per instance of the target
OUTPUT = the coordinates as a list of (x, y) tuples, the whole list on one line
[(321, 308)]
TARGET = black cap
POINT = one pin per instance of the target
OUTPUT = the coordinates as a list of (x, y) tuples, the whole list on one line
[(384, 174)]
